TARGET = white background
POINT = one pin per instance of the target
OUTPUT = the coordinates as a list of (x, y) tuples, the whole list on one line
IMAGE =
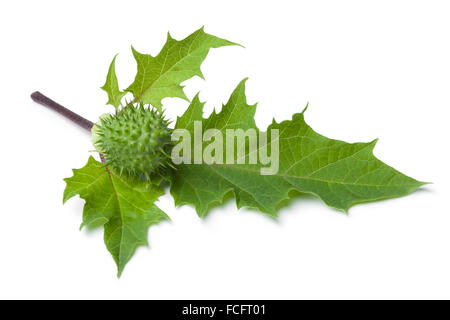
[(370, 69)]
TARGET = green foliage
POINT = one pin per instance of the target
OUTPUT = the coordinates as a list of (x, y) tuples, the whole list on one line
[(124, 207), (111, 86), (135, 141), (341, 174), (160, 77)]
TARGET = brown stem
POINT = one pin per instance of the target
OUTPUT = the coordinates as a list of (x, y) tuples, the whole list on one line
[(45, 101)]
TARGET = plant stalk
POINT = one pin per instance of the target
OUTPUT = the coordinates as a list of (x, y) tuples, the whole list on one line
[(49, 103)]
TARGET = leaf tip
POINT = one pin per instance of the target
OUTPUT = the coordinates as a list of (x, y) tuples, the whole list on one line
[(134, 51), (202, 212), (373, 143), (422, 183), (305, 108), (241, 85), (196, 98), (65, 198), (120, 267), (200, 74)]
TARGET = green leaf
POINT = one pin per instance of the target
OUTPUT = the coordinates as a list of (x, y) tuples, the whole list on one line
[(160, 77), (124, 207), (341, 174), (111, 86)]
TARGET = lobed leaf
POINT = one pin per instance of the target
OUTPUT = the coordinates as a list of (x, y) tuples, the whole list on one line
[(123, 206), (111, 86), (341, 174), (160, 77)]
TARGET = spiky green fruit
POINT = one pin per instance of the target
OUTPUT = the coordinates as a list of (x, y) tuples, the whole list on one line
[(135, 141)]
